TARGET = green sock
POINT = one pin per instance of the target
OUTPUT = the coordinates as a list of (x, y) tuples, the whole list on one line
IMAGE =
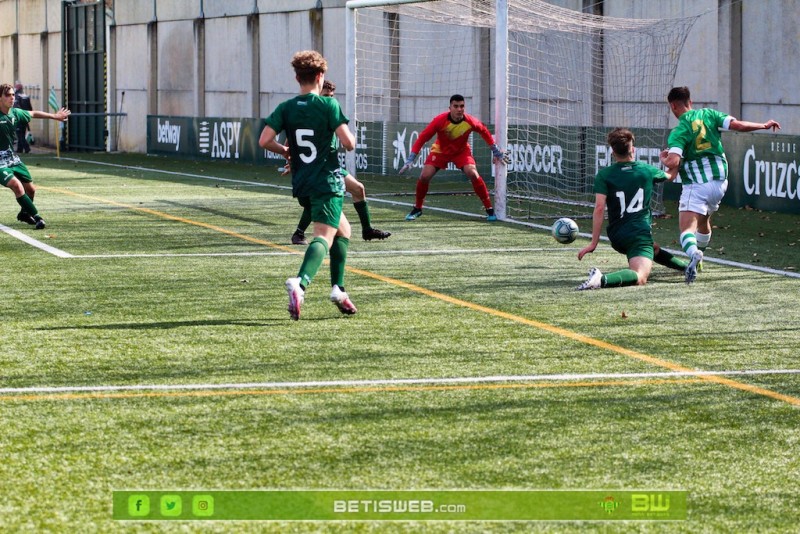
[(27, 204), (621, 278), (363, 214), (315, 254), (338, 259), (669, 260), (305, 220)]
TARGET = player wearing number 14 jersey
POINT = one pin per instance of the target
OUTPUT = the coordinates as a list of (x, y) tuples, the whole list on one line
[(626, 187)]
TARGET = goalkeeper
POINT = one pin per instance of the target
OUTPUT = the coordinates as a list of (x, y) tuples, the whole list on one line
[(452, 130)]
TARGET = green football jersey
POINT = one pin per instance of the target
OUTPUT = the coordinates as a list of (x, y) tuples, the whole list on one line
[(8, 126), (697, 135), (628, 187), (310, 122)]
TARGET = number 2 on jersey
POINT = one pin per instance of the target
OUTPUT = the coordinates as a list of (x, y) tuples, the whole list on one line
[(700, 141)]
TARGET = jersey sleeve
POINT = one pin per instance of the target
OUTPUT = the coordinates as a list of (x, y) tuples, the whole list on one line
[(275, 119), (23, 116), (478, 126), (427, 134), (658, 174), (680, 137), (600, 186), (336, 116), (721, 120)]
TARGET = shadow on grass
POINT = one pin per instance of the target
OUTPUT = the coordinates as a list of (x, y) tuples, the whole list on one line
[(166, 325)]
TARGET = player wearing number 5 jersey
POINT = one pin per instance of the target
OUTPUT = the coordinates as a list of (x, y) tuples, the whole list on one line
[(696, 141), (626, 187), (311, 122)]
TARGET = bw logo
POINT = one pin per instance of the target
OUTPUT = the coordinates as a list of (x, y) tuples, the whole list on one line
[(652, 502)]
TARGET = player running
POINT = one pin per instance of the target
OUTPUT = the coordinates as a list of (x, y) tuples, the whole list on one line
[(311, 122), (352, 186), (13, 173)]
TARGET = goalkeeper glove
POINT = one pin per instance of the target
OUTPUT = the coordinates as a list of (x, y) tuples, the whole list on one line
[(501, 156), (409, 162)]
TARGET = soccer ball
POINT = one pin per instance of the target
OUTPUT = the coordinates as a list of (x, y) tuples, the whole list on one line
[(565, 230)]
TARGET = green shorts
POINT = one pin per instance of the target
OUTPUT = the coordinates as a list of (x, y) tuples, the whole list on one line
[(19, 170), (633, 245), (325, 209)]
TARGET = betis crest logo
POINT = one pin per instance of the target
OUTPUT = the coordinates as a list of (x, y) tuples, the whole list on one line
[(609, 504)]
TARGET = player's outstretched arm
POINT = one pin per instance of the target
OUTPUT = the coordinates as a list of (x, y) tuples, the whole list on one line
[(746, 126), (61, 115)]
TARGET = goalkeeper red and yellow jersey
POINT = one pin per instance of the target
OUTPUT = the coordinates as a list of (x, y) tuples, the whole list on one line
[(451, 137)]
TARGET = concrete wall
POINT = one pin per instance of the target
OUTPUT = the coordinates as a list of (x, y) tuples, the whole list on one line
[(238, 53)]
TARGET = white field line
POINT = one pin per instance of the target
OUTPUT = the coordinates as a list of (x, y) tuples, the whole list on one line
[(173, 173), (394, 382), (35, 242), (407, 204), (349, 253)]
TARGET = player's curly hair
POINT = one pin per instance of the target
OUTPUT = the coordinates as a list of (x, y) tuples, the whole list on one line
[(621, 141), (5, 88), (329, 86), (307, 65)]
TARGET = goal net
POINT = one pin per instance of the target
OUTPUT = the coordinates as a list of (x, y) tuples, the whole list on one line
[(565, 79)]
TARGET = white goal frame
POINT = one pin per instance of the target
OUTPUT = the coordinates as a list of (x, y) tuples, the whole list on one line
[(606, 92)]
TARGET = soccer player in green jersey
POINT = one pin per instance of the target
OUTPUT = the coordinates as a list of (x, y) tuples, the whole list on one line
[(13, 173), (352, 186), (311, 122), (696, 142), (626, 188)]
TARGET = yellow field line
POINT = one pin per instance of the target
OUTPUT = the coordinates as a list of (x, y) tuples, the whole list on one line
[(470, 305), (167, 216), (372, 389)]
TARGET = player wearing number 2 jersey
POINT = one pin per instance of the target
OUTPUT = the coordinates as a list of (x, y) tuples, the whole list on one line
[(311, 122), (697, 142), (626, 188)]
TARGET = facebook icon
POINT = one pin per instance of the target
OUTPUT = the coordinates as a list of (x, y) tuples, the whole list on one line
[(138, 505)]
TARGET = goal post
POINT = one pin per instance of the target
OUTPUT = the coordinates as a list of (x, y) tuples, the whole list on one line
[(548, 81), (501, 105)]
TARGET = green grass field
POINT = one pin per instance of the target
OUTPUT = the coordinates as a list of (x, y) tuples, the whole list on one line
[(158, 285)]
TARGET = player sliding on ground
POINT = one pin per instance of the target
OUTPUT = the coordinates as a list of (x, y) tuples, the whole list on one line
[(352, 186), (311, 121), (452, 130), (626, 186)]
